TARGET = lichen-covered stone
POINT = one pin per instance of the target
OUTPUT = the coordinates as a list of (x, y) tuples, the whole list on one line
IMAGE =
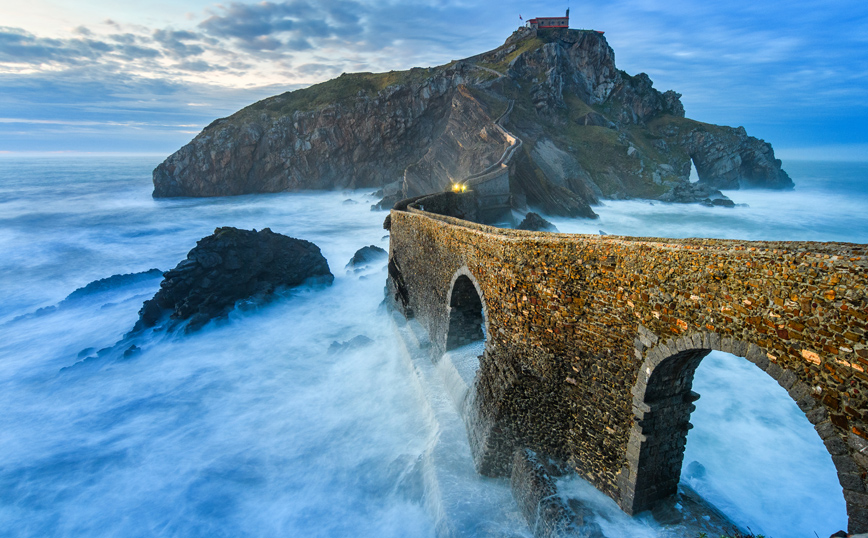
[(562, 372)]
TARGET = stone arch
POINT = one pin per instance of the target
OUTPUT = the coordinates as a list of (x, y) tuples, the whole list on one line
[(467, 313), (662, 404)]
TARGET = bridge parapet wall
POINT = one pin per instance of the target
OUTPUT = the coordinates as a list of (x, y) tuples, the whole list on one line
[(578, 326)]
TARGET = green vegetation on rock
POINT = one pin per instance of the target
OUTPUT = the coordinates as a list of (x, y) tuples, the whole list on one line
[(587, 128), (339, 91)]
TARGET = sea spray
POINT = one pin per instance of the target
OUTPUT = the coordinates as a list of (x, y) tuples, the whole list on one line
[(251, 428), (761, 462)]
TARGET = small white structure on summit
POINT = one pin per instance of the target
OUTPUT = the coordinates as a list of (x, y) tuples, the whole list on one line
[(549, 22)]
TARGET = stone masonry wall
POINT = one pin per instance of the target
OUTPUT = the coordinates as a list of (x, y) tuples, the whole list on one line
[(591, 341)]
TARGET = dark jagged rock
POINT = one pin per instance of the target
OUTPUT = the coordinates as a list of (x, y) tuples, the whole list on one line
[(730, 159), (228, 266), (389, 195), (589, 130), (367, 255), (690, 193), (353, 343), (722, 202), (397, 288), (112, 282), (534, 487), (535, 223)]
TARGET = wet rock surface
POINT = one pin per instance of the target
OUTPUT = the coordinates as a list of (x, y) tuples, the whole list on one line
[(535, 223), (543, 490), (534, 487), (366, 256), (95, 289), (356, 342), (690, 193), (112, 282), (228, 266)]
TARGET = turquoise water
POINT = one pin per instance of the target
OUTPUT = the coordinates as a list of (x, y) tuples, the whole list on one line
[(250, 428)]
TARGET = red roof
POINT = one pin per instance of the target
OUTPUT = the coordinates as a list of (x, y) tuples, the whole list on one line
[(545, 22)]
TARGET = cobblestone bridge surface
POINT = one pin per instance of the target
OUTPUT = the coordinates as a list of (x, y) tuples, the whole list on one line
[(592, 342)]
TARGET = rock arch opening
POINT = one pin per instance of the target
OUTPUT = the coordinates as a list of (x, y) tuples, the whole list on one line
[(664, 400), (693, 176), (466, 314)]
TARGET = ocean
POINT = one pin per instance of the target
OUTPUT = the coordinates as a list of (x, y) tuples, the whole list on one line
[(252, 428)]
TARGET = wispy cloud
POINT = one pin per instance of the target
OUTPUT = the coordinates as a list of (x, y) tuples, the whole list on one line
[(776, 67), (268, 26), (179, 44), (18, 46), (233, 43)]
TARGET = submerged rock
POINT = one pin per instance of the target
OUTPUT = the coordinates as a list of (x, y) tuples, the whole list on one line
[(112, 282), (691, 193), (534, 486), (366, 255), (95, 291), (535, 223), (228, 266), (353, 343)]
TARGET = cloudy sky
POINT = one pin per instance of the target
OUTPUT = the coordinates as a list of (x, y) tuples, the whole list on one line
[(145, 77)]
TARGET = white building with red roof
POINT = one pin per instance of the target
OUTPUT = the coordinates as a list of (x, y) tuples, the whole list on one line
[(550, 22)]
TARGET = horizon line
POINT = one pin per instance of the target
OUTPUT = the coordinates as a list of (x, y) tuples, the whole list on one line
[(77, 153), (812, 154)]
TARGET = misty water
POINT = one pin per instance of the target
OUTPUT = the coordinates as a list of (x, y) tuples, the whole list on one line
[(252, 428)]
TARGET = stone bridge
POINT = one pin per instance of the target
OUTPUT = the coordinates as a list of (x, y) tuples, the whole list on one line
[(591, 343)]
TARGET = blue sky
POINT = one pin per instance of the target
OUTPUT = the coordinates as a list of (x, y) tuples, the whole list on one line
[(98, 76)]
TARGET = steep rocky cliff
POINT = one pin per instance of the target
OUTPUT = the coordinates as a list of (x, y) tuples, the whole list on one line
[(359, 130), (469, 143), (589, 131)]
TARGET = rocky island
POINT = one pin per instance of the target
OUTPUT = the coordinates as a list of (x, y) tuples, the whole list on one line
[(548, 105)]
